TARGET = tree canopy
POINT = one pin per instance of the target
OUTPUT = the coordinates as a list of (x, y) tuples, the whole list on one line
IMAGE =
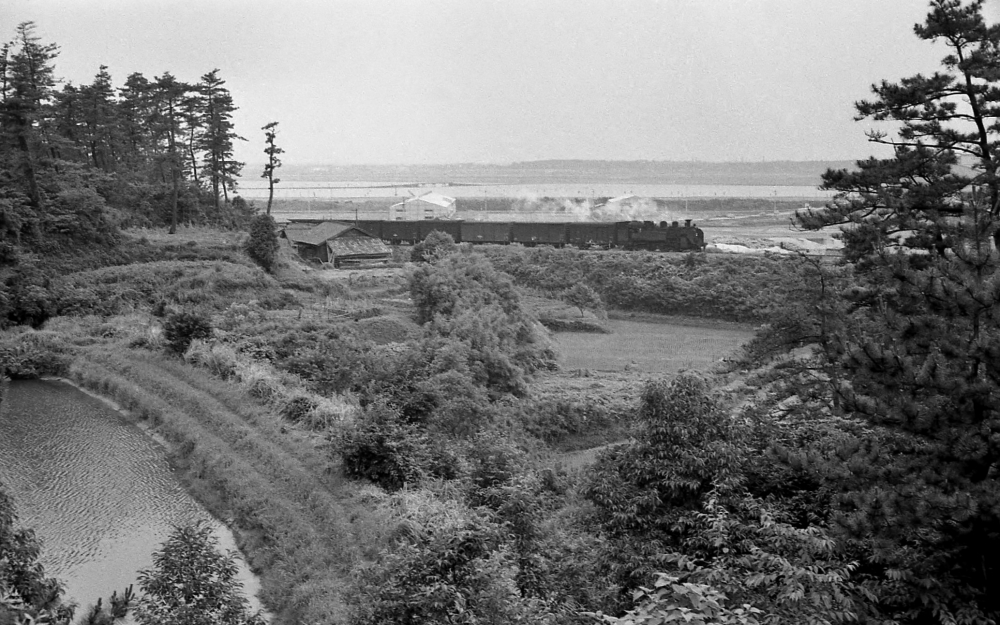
[(154, 151), (916, 353)]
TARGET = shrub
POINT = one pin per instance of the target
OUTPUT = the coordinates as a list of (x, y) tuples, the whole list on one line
[(296, 406), (220, 360), (31, 354), (27, 297), (192, 582), (447, 566), (262, 246), (382, 448), (436, 246), (181, 328), (583, 297)]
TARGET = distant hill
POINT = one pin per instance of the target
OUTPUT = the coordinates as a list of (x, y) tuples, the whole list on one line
[(768, 173)]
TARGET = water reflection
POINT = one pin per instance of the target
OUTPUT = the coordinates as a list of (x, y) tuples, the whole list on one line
[(96, 490)]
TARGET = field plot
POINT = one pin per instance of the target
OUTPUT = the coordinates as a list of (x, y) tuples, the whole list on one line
[(662, 346)]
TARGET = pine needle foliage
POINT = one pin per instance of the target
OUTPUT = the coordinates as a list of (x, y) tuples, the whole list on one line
[(917, 350)]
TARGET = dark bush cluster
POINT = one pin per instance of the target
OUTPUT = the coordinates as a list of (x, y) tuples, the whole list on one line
[(262, 244), (181, 328)]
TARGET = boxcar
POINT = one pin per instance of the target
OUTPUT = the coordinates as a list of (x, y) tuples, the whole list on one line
[(538, 233), (372, 226), (590, 234), (450, 227), (485, 232), (401, 231)]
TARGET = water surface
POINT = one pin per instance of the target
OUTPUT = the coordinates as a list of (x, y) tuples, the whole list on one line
[(97, 490)]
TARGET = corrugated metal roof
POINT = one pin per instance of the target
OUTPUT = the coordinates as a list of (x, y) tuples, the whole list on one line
[(298, 227), (357, 246), (315, 235)]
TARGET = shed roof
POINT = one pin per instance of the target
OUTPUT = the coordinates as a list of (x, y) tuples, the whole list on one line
[(357, 246), (317, 234)]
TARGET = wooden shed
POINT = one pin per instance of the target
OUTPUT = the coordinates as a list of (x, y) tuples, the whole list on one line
[(336, 242)]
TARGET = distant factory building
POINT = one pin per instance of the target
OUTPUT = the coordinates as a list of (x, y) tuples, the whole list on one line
[(339, 243), (427, 206), (621, 201)]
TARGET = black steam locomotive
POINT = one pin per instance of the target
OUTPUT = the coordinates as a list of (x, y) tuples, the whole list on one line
[(629, 235)]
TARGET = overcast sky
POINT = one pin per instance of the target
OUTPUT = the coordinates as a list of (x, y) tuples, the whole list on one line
[(446, 81)]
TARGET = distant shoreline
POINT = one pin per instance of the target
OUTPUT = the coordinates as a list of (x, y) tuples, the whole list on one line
[(564, 172)]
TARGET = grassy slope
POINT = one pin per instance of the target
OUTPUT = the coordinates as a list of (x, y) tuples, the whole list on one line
[(293, 515)]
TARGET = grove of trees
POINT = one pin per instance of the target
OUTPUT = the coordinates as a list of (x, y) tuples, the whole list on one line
[(76, 160)]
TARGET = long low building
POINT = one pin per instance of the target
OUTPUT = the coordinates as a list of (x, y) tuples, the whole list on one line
[(339, 243), (427, 206)]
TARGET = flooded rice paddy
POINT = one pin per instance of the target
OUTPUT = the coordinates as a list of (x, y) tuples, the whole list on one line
[(97, 490)]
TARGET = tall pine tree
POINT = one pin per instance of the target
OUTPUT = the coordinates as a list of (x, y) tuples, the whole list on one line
[(217, 141), (273, 162), (24, 110), (919, 355)]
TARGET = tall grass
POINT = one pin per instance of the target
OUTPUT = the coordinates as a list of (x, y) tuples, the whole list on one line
[(290, 509), (281, 391), (209, 284)]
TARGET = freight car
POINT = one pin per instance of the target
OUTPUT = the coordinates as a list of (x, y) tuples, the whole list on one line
[(629, 235)]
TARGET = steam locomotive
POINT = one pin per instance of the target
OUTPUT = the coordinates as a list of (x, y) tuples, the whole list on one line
[(629, 235)]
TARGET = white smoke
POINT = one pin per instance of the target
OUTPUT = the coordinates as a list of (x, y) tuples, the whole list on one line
[(586, 209), (631, 209)]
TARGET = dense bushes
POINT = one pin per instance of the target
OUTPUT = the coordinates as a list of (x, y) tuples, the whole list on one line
[(29, 354), (383, 448), (205, 284), (675, 501), (722, 287), (466, 298), (448, 566)]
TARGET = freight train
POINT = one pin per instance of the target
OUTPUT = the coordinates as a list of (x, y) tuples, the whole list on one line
[(629, 235)]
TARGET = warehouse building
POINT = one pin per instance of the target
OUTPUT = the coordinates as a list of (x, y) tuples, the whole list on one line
[(427, 206)]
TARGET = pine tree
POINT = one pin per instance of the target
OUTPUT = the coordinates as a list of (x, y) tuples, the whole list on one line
[(219, 136), (919, 356), (27, 93), (135, 110), (273, 162), (99, 116), (169, 95)]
